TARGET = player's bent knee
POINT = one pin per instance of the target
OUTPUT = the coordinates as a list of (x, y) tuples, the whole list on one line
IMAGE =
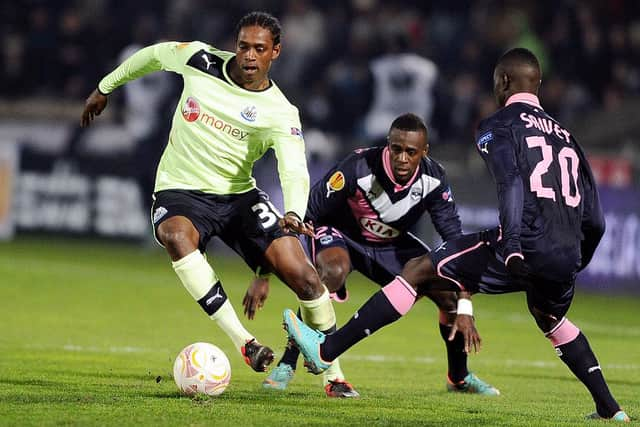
[(333, 276), (173, 238), (418, 270), (545, 321), (304, 282)]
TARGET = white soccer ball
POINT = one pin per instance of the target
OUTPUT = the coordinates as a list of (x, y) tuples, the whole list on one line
[(202, 368)]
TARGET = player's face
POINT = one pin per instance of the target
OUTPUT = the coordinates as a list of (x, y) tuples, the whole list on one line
[(254, 52), (406, 149)]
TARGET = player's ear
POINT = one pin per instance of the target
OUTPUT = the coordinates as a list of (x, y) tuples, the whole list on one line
[(505, 80), (275, 51)]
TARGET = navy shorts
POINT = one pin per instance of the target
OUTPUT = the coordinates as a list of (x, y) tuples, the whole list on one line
[(474, 264), (246, 222), (379, 262)]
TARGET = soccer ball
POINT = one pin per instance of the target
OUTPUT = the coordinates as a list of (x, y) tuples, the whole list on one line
[(202, 368)]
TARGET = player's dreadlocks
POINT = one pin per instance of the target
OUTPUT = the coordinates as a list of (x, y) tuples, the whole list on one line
[(264, 20)]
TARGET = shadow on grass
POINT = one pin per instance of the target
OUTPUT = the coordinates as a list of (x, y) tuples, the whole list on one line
[(105, 375), (567, 378), (30, 382)]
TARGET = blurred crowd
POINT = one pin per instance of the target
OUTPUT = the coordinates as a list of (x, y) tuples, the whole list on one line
[(350, 65)]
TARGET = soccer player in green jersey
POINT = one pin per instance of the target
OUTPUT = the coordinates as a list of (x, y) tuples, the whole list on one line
[(230, 113)]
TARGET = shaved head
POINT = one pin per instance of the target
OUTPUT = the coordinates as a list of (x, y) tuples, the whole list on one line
[(518, 70)]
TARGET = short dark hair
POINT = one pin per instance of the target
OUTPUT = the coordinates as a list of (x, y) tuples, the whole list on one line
[(519, 55), (409, 122), (261, 19)]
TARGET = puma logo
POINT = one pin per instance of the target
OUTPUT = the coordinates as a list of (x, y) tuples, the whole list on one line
[(210, 300), (206, 59)]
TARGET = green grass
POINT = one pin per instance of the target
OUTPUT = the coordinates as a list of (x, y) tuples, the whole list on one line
[(88, 329)]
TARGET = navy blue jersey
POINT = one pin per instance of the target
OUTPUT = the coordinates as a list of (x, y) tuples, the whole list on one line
[(549, 206), (359, 197)]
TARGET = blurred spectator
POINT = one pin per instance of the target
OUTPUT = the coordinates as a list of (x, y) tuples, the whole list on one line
[(590, 50), (402, 82), (73, 70), (41, 52), (147, 102)]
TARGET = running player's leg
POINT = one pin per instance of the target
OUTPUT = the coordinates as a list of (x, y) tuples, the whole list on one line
[(392, 258), (264, 243), (290, 263), (333, 266), (386, 306), (184, 244), (548, 303), (459, 379)]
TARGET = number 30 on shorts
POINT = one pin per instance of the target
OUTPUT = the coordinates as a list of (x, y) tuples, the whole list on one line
[(267, 213)]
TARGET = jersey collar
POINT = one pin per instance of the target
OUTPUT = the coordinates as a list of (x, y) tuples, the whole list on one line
[(386, 163), (527, 98)]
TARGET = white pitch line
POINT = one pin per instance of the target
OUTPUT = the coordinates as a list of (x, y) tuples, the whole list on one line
[(544, 364), (92, 349), (374, 358), (585, 326)]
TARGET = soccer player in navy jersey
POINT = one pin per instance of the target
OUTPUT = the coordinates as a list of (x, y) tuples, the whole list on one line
[(362, 211), (551, 222)]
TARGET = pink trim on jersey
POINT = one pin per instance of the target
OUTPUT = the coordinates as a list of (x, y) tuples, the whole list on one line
[(518, 254), (454, 256), (386, 163), (527, 98), (313, 249), (400, 294), (361, 209), (563, 333)]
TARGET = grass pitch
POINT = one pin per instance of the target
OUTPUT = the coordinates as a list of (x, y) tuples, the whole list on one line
[(90, 332)]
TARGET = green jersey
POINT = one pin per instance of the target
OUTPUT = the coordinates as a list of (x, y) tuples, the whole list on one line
[(220, 129)]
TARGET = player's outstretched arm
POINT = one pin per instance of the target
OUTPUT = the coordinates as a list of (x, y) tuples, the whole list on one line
[(93, 106), (465, 323), (255, 296)]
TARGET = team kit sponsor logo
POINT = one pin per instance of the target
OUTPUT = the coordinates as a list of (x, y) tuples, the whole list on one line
[(379, 229), (335, 183), (159, 213), (447, 195), (249, 113), (483, 142), (191, 112), (191, 109)]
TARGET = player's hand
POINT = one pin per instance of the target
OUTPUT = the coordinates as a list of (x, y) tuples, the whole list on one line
[(291, 223), (517, 268), (467, 327), (255, 296), (93, 106)]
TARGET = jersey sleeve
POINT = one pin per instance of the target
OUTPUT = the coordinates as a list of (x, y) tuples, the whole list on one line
[(330, 193), (497, 149), (169, 56), (593, 223), (443, 211), (288, 145)]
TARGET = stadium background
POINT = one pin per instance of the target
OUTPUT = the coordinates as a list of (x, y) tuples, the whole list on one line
[(57, 179), (92, 315)]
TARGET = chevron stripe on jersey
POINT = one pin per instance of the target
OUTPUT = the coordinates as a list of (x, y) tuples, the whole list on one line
[(380, 201)]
